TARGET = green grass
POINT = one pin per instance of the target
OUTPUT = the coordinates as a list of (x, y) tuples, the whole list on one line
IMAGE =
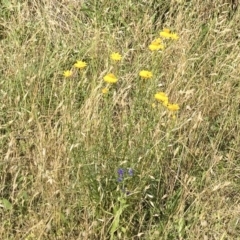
[(62, 141)]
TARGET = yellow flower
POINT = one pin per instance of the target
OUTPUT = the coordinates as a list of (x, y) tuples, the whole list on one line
[(115, 56), (80, 64), (145, 74), (162, 97), (105, 91), (165, 103), (110, 78), (156, 45), (167, 34), (174, 36), (166, 30), (67, 73), (173, 107)]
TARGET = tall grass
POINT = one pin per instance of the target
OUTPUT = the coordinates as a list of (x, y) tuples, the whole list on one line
[(67, 148)]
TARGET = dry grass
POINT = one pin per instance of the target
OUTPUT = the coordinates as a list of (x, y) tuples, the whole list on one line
[(62, 141)]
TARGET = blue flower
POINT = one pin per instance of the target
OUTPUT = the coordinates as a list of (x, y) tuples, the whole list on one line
[(120, 172), (120, 179)]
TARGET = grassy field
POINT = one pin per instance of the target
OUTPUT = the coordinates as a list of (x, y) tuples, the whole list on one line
[(82, 158)]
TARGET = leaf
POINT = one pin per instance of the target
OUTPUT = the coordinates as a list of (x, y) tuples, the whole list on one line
[(6, 204), (116, 220), (6, 3)]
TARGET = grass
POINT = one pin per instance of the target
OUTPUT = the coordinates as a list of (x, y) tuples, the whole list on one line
[(63, 141)]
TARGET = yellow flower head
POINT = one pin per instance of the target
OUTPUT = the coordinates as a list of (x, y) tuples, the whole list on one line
[(110, 78), (145, 74), (165, 103), (162, 97), (167, 34), (173, 107), (67, 73), (157, 41), (115, 56), (174, 36), (80, 64), (167, 30), (105, 91), (156, 45)]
